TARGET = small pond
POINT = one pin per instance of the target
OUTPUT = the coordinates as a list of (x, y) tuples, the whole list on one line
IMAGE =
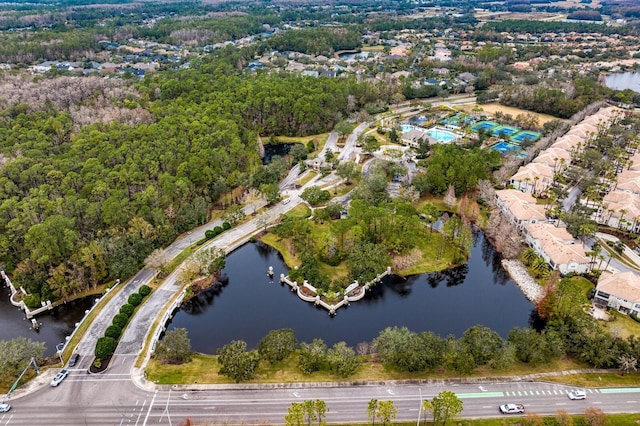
[(250, 305), (623, 80)]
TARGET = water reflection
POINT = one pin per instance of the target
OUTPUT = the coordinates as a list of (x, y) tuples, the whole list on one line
[(623, 80), (446, 302), (55, 325)]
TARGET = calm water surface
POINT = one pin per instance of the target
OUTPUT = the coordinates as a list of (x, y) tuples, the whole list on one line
[(250, 306), (624, 80), (55, 324)]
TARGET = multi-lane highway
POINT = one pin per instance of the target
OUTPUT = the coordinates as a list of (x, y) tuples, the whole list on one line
[(113, 399)]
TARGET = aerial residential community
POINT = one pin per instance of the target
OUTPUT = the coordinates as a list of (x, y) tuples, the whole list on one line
[(288, 213)]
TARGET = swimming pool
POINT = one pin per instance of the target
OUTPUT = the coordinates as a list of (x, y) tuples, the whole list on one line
[(525, 134), (406, 127), (441, 135)]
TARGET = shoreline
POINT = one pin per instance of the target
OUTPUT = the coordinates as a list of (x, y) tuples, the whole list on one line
[(519, 274)]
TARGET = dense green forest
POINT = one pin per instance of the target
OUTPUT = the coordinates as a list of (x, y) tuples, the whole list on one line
[(83, 206), (316, 41)]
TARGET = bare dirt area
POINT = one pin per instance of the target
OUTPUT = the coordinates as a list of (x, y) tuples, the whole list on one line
[(492, 108)]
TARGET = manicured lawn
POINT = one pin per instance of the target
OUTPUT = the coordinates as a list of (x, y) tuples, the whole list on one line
[(204, 369), (598, 380), (622, 325), (307, 177)]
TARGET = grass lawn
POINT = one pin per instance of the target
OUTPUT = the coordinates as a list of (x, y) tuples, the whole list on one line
[(437, 255), (622, 325), (204, 369), (320, 138), (374, 48), (307, 177), (283, 246), (597, 380)]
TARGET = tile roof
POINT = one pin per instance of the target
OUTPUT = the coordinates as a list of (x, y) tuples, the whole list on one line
[(625, 285), (557, 243), (522, 205)]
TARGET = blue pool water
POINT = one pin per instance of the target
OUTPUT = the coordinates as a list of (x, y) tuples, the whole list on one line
[(406, 127), (441, 135)]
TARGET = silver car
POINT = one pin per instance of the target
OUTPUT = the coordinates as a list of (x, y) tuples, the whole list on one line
[(576, 394), (59, 377)]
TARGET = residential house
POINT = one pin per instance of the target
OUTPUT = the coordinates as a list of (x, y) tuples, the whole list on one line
[(620, 291), (520, 208), (554, 157), (557, 247), (533, 177), (621, 209)]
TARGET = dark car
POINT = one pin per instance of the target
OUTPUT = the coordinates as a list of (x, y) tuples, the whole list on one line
[(74, 360)]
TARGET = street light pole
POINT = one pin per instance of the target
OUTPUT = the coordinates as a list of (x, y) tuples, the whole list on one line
[(419, 406), (59, 351)]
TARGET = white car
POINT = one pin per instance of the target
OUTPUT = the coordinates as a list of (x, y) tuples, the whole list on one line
[(59, 377), (576, 394), (4, 407)]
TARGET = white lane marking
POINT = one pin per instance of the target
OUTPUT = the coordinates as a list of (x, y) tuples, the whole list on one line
[(142, 408), (390, 392), (150, 407)]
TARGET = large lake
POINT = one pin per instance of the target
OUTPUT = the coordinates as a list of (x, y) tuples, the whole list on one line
[(249, 305), (624, 80)]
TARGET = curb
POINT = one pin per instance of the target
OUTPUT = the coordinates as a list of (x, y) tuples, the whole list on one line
[(140, 381)]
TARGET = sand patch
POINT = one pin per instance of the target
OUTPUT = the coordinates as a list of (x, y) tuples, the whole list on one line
[(492, 108)]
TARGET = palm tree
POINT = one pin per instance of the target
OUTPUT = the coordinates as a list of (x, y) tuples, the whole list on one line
[(596, 249), (529, 255)]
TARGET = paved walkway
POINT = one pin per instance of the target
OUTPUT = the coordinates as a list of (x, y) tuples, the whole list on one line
[(628, 252)]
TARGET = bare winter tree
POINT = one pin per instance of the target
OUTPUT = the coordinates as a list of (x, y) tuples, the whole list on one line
[(362, 348), (504, 235), (627, 364), (450, 197), (88, 99)]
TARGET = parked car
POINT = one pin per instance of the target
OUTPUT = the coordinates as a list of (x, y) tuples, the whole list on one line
[(74, 360), (576, 394), (59, 377), (286, 201), (512, 409), (4, 407)]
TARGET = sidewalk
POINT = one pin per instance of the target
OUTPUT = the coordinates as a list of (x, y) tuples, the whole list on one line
[(140, 381), (628, 252)]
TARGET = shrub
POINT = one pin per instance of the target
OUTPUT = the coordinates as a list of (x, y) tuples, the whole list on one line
[(113, 331), (218, 230), (127, 309), (105, 347), (32, 301), (144, 290), (120, 320), (135, 299), (209, 234), (226, 225)]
